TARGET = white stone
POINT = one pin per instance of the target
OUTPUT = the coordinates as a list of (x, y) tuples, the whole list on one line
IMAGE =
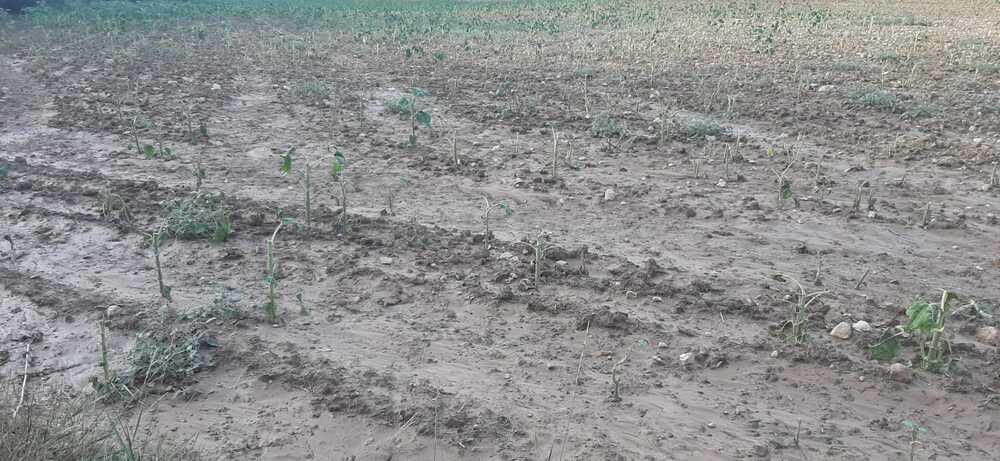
[(609, 195), (841, 331), (862, 326)]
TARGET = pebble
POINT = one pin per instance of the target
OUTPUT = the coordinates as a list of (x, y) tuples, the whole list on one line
[(841, 331), (385, 261), (721, 183), (988, 335), (774, 354), (901, 373), (216, 87), (609, 195), (662, 345), (686, 358), (862, 326), (825, 88)]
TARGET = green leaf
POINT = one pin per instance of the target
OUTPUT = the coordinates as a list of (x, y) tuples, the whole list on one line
[(339, 163), (920, 314), (149, 150), (786, 191), (439, 56), (420, 93), (4, 169), (914, 427), (286, 161), (507, 210), (413, 140), (424, 118), (886, 349)]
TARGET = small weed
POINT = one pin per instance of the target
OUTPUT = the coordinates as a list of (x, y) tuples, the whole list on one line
[(987, 68), (605, 125), (798, 316), (924, 110), (538, 250), (702, 128), (166, 351), (311, 91), (889, 56), (114, 209), (402, 106), (200, 215), (875, 98)]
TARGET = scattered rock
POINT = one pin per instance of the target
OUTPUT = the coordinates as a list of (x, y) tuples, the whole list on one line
[(901, 373), (861, 326), (825, 88), (841, 331), (774, 354), (721, 183), (385, 261), (686, 358), (988, 335), (216, 87), (662, 345), (609, 195)]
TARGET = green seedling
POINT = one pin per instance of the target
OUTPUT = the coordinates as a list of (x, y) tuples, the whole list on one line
[(439, 56), (105, 364), (286, 161), (417, 116), (915, 431), (302, 304), (538, 249), (487, 210), (927, 324), (799, 314), (155, 239)]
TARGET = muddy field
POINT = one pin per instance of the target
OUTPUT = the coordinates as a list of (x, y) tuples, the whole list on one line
[(570, 230)]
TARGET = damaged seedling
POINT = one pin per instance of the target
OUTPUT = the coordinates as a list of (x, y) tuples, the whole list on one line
[(488, 207), (538, 250), (113, 208), (784, 183), (155, 239), (800, 300)]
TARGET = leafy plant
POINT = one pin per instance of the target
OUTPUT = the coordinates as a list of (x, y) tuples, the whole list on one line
[(875, 98), (799, 314), (113, 208), (199, 215), (286, 161), (927, 324), (783, 182)]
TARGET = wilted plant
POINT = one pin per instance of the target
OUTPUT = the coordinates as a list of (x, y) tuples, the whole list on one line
[(538, 249), (113, 208), (271, 268), (199, 215), (915, 431), (154, 240), (784, 183), (337, 169), (995, 176), (487, 210), (199, 174), (927, 325), (393, 191), (798, 316)]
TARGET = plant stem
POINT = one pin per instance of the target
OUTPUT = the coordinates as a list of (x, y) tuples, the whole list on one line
[(555, 154), (308, 201)]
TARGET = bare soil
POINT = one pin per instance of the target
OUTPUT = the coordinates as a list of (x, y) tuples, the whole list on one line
[(421, 343)]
